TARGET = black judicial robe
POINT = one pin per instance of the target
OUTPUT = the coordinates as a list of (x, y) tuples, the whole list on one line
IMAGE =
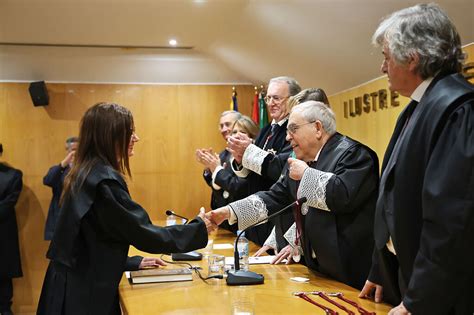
[(341, 238), (54, 179), (89, 249), (10, 189), (218, 197), (232, 186), (427, 203), (271, 169)]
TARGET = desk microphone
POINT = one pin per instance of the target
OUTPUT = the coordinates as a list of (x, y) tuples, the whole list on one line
[(183, 256), (171, 212), (242, 277)]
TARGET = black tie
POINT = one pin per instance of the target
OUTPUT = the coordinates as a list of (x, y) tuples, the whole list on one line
[(271, 137)]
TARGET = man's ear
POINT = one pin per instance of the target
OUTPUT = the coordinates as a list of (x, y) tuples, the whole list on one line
[(319, 128), (413, 62)]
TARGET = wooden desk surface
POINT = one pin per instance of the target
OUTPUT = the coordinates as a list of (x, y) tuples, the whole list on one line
[(215, 297)]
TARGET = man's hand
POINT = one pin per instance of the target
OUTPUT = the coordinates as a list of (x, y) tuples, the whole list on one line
[(237, 144), (218, 216), (200, 153), (68, 159), (297, 168), (210, 226), (285, 253), (399, 310), (367, 291), (210, 160), (151, 262), (262, 250)]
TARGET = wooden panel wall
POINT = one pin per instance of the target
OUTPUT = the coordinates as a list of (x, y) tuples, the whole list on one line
[(375, 128), (172, 121)]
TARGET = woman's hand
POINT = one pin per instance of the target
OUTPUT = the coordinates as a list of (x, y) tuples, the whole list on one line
[(210, 226), (151, 262)]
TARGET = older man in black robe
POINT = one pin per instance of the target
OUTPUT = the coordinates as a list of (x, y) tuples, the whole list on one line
[(334, 227), (424, 223)]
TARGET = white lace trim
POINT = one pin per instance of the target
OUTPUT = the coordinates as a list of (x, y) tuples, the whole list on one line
[(290, 236), (214, 174), (271, 240), (249, 211), (313, 187), (240, 173), (253, 158)]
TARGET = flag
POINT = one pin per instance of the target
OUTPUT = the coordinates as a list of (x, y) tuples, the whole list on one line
[(255, 108), (263, 110), (233, 101)]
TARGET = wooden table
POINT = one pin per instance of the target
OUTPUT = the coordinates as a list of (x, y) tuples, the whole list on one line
[(215, 297)]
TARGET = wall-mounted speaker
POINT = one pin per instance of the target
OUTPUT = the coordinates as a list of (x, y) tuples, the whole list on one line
[(39, 93)]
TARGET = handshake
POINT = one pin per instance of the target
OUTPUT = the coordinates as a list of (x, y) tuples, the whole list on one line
[(214, 217)]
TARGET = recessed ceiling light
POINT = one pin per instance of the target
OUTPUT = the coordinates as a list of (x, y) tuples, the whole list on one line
[(173, 42)]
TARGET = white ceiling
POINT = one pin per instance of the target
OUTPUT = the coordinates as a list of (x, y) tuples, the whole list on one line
[(322, 43)]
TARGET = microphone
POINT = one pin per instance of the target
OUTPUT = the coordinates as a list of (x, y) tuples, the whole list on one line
[(183, 256), (171, 212), (242, 277)]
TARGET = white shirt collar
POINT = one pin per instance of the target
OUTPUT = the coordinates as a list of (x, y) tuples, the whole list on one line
[(281, 122), (317, 154), (421, 89)]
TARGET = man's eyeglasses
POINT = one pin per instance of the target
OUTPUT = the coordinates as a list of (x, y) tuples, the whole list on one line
[(276, 99), (293, 128)]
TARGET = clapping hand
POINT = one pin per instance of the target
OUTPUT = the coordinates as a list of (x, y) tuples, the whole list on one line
[(237, 144)]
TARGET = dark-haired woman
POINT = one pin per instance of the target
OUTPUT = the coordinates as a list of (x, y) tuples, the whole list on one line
[(99, 221)]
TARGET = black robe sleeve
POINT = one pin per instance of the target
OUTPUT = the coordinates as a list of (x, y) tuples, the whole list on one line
[(230, 182), (133, 263), (274, 163), (353, 182), (10, 196), (445, 259), (53, 177), (122, 218)]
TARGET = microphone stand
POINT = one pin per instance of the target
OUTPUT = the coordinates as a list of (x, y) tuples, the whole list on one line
[(242, 277), (193, 255)]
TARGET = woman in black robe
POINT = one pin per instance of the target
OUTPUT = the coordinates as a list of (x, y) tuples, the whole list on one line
[(99, 221)]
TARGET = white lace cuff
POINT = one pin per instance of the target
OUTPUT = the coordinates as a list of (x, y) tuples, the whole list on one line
[(290, 237), (313, 187), (242, 172), (249, 211), (271, 240), (253, 158), (214, 174)]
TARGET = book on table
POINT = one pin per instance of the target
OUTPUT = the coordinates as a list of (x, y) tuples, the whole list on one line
[(161, 275)]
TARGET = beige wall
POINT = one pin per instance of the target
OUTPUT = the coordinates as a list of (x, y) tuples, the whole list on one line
[(375, 128), (172, 121)]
